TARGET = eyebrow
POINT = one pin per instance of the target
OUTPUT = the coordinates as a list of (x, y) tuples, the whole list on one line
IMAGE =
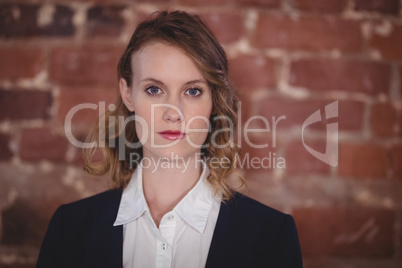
[(161, 83)]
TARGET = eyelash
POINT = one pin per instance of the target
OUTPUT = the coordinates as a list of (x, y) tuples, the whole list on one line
[(199, 91), (152, 87), (147, 90)]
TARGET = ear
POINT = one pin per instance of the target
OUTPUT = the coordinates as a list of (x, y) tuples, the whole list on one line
[(126, 94)]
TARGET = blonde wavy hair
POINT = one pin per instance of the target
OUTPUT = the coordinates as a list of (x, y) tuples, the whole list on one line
[(189, 33)]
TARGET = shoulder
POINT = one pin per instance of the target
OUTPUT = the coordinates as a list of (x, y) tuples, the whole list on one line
[(78, 226), (268, 235), (244, 206), (240, 200), (108, 197), (104, 204)]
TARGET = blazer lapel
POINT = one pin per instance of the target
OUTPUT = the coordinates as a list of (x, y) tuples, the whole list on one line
[(230, 245), (222, 244)]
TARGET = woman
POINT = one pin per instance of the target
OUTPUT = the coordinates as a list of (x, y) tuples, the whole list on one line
[(171, 204)]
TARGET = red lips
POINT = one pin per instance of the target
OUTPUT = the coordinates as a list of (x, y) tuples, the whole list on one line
[(172, 134)]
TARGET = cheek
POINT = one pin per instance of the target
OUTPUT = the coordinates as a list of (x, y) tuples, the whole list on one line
[(199, 122), (139, 129), (142, 121), (200, 115), (199, 125)]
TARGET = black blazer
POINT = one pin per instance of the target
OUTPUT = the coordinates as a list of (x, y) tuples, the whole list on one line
[(247, 234)]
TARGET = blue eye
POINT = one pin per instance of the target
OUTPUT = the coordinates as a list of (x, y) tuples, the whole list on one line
[(193, 91), (153, 90)]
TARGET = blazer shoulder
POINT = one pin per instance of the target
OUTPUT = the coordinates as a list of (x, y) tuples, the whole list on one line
[(102, 204), (78, 228), (254, 208), (97, 199), (251, 234)]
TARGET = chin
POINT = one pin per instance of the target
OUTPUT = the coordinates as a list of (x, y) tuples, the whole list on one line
[(173, 153)]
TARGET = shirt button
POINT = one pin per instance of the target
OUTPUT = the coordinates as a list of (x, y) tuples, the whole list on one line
[(170, 217), (164, 246)]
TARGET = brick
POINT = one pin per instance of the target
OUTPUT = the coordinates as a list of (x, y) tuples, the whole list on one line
[(299, 160), (70, 97), (80, 133), (263, 187), (90, 65), (35, 194), (313, 262), (256, 159), (24, 224), (78, 158), (346, 232), (389, 45), (46, 188), (203, 3), (155, 1), (362, 161), (259, 3), (42, 144), (5, 152), (20, 63), (143, 15), (341, 75), (400, 77), (25, 104), (18, 20), (252, 72), (23, 20), (307, 33), (246, 106), (297, 111), (396, 160), (400, 235), (62, 24), (250, 141), (18, 265), (106, 21), (384, 120), (227, 27), (351, 114), (382, 6), (329, 6)]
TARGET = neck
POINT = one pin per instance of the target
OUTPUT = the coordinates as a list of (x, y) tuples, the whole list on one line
[(166, 182)]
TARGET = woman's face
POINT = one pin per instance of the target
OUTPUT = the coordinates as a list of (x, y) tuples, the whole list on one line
[(172, 97)]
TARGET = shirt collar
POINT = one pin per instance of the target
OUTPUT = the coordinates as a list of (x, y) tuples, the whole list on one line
[(133, 203), (202, 197)]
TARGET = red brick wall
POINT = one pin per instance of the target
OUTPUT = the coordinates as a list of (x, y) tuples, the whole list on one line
[(287, 57)]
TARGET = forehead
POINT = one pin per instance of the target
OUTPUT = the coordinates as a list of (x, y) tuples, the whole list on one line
[(165, 61)]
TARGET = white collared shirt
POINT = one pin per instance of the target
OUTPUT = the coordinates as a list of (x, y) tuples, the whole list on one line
[(184, 235)]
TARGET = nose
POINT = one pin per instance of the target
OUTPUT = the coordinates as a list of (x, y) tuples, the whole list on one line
[(173, 113)]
